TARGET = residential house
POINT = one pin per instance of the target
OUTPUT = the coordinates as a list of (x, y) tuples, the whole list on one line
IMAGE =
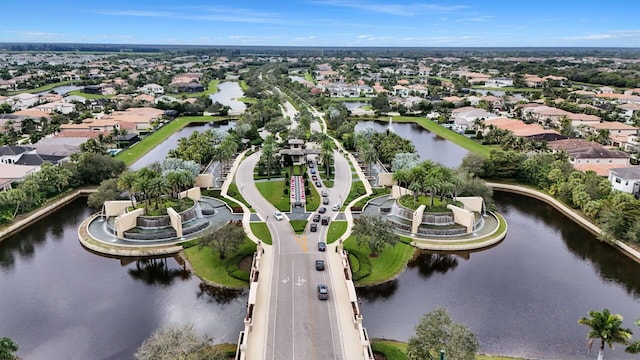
[(591, 156), (464, 118), (626, 179), (533, 81), (151, 89), (518, 127), (22, 101), (499, 82), (400, 90), (629, 109), (11, 154), (60, 106), (10, 173)]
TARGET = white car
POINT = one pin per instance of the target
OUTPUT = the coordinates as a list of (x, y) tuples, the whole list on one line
[(278, 215), (336, 207)]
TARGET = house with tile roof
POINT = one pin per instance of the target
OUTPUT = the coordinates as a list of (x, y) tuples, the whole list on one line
[(10, 173), (590, 156), (626, 179)]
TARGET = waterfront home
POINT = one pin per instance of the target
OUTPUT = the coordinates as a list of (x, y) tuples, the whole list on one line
[(626, 179)]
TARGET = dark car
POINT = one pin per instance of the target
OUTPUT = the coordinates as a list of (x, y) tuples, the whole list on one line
[(320, 265), (316, 217), (318, 184), (322, 210), (324, 220), (314, 177), (313, 171), (322, 246), (325, 201), (323, 292), (313, 227)]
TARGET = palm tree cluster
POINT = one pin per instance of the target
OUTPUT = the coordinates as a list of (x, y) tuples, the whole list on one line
[(432, 179), (206, 147), (607, 328), (154, 182)]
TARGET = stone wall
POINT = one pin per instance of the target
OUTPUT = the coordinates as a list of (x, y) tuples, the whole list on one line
[(127, 221), (115, 207)]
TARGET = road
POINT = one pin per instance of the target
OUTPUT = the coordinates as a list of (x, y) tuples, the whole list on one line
[(300, 326)]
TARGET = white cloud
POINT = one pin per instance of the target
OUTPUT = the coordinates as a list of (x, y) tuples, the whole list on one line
[(393, 9), (225, 14), (622, 34)]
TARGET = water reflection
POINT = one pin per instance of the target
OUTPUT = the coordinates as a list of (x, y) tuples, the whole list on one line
[(157, 272), (428, 263), (219, 295), (378, 292)]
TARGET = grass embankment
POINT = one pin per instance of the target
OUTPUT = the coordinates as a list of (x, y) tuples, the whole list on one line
[(313, 199), (130, 155), (247, 100), (234, 193), (207, 265), (375, 270), (336, 229), (261, 230), (450, 135), (42, 88), (273, 191), (309, 77), (243, 85), (89, 96), (357, 190), (376, 193), (397, 350)]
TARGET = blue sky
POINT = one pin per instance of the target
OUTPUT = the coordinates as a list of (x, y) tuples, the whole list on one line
[(326, 22)]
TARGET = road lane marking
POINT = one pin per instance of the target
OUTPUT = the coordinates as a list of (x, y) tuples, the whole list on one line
[(301, 240)]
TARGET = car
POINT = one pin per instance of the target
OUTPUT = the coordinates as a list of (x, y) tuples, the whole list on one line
[(316, 217), (278, 215), (323, 292), (314, 177), (318, 184), (320, 265), (336, 207), (311, 164), (325, 201), (313, 227), (322, 210), (322, 246), (324, 220), (313, 171), (324, 193)]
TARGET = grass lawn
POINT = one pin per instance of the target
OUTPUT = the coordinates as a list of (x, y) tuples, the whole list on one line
[(376, 193), (234, 193), (374, 270), (397, 350), (450, 135), (130, 155), (336, 229), (298, 225), (89, 96), (273, 191), (211, 89), (309, 77), (438, 206), (247, 100), (207, 265), (43, 88), (357, 190), (313, 199), (261, 230), (243, 85), (507, 88), (327, 180), (349, 99)]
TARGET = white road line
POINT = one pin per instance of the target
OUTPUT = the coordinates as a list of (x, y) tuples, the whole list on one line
[(293, 315)]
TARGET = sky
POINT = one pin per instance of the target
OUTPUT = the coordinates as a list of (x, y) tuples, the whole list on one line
[(351, 23)]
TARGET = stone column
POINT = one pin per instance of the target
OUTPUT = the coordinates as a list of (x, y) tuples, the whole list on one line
[(417, 219)]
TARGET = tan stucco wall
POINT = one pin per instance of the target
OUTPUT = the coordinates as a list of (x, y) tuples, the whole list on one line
[(397, 192), (462, 217), (385, 179), (193, 194), (127, 221), (471, 203), (204, 181), (417, 219), (115, 207), (176, 220)]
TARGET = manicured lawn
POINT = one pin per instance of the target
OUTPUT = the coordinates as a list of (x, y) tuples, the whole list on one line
[(374, 270), (89, 96), (130, 155), (43, 88), (327, 180), (234, 193), (243, 85), (261, 230), (336, 229), (392, 350), (273, 191), (349, 99), (298, 225), (313, 199), (357, 190), (309, 77), (207, 265), (450, 135), (438, 206), (247, 100), (376, 192)]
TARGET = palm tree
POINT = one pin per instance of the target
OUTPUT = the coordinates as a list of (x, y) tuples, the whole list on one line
[(402, 177), (268, 153), (370, 155), (326, 154), (634, 347), (158, 186), (127, 181), (7, 348), (607, 327)]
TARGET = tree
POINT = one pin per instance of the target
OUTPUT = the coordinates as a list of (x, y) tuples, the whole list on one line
[(374, 232), (223, 240), (436, 331), (108, 190), (606, 327), (7, 348), (179, 342), (127, 181), (268, 155), (634, 347), (326, 155)]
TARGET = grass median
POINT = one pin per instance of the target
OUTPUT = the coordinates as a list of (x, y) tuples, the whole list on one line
[(397, 350), (273, 191), (336, 229), (208, 266), (389, 263), (261, 231)]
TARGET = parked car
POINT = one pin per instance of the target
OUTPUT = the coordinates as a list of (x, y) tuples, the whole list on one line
[(336, 207), (278, 215), (322, 246), (313, 227), (325, 201), (320, 265), (324, 193), (318, 184), (316, 218), (323, 292), (322, 210)]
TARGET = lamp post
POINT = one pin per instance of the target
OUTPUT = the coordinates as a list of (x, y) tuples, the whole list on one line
[(441, 354)]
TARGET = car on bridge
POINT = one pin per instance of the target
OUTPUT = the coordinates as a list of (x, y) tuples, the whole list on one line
[(320, 265), (322, 246), (323, 292)]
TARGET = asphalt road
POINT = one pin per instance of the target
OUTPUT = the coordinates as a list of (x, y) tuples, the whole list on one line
[(300, 325)]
